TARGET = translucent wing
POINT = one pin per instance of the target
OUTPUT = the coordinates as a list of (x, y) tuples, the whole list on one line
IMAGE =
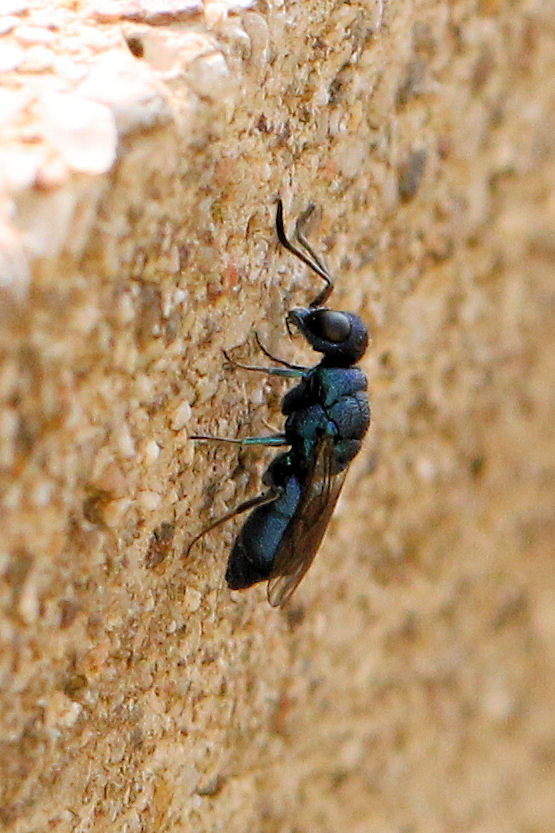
[(308, 525)]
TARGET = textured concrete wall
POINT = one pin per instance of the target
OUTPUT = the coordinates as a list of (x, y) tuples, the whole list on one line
[(409, 685)]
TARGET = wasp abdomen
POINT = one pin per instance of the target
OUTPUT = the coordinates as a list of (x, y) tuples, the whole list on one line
[(254, 550)]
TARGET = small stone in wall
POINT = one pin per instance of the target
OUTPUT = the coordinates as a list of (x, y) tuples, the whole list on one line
[(83, 131)]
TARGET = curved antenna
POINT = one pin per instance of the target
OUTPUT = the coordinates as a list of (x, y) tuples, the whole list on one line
[(313, 262)]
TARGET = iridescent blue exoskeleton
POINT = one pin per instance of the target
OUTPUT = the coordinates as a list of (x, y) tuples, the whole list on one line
[(327, 415)]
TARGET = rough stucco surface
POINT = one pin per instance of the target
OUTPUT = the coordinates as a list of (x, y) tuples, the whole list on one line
[(409, 686)]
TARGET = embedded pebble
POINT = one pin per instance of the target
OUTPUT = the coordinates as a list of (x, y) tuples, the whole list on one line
[(34, 34), (181, 416), (11, 106), (149, 500), (7, 24), (14, 265), (208, 76), (29, 602), (129, 88), (11, 56), (149, 11), (125, 442), (83, 131), (49, 18), (256, 28), (38, 59), (69, 69), (12, 496), (61, 711), (115, 510), (192, 599), (41, 493), (351, 158), (167, 11), (9, 423), (96, 39), (426, 468), (151, 451), (216, 10), (14, 6)]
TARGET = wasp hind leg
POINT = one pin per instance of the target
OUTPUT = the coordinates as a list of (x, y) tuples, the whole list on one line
[(271, 494)]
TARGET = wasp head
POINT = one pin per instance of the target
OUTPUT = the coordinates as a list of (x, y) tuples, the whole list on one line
[(341, 336)]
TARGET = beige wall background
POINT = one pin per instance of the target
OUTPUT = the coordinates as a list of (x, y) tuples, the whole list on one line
[(409, 685)]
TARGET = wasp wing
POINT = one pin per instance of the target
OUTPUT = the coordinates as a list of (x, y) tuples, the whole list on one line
[(308, 525)]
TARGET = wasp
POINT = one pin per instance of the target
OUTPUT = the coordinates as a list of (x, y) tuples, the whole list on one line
[(327, 415)]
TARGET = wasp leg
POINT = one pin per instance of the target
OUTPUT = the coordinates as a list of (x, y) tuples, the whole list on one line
[(275, 439), (267, 497), (292, 372), (279, 361)]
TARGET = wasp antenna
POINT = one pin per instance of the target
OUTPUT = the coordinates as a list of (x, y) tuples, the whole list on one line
[(313, 262)]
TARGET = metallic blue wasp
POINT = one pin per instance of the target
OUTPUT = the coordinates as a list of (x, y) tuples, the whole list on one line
[(327, 415)]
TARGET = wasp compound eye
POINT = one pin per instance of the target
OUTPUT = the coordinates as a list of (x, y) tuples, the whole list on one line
[(330, 325)]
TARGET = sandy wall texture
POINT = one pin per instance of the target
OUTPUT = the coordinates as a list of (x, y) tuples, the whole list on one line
[(408, 687)]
